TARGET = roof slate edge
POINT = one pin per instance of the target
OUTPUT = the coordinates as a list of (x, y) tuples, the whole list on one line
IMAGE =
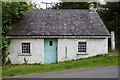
[(58, 36), (91, 15)]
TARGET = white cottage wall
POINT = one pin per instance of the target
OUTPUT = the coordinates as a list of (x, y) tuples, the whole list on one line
[(68, 48), (37, 51)]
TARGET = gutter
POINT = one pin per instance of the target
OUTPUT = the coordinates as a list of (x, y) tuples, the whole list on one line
[(61, 37)]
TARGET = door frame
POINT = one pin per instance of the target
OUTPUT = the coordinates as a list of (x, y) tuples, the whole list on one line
[(56, 49)]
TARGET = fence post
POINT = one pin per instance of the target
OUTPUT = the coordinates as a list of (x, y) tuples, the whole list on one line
[(113, 40)]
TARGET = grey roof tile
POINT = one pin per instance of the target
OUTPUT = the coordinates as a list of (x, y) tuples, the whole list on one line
[(59, 22)]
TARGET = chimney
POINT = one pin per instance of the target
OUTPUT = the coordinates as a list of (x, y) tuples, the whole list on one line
[(91, 7)]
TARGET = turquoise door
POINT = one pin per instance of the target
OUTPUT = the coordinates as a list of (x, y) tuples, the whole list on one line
[(50, 51)]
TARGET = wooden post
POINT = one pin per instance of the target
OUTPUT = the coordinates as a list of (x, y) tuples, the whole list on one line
[(113, 40)]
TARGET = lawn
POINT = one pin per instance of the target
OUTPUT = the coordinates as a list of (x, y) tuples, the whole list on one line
[(101, 60)]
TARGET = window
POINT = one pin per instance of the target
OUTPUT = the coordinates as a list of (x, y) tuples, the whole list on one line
[(50, 43), (26, 48), (82, 47)]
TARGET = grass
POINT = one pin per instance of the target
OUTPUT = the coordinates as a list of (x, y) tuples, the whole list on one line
[(101, 60)]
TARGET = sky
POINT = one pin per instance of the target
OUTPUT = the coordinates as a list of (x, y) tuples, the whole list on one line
[(41, 5)]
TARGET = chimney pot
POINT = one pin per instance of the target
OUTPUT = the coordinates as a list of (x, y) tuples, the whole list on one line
[(91, 7)]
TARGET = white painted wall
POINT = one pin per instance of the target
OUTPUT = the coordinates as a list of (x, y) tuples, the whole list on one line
[(37, 51), (94, 47)]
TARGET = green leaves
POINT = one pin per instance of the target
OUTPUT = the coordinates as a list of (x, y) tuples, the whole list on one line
[(6, 29), (14, 11), (111, 17), (11, 13), (72, 5)]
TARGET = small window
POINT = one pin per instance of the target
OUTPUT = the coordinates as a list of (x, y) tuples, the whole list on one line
[(50, 43), (26, 48), (81, 46)]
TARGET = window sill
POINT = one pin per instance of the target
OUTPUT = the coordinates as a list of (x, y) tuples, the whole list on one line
[(82, 53), (24, 54)]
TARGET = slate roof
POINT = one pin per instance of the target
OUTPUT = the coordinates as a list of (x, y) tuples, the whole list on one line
[(57, 22)]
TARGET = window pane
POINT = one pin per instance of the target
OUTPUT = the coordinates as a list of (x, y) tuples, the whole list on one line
[(50, 43), (81, 46), (25, 47)]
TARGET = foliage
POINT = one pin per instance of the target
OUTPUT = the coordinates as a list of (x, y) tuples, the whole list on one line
[(100, 60), (111, 18), (111, 15), (72, 5), (5, 44), (11, 13)]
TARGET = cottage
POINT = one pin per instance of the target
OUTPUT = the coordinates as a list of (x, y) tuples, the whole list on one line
[(55, 35)]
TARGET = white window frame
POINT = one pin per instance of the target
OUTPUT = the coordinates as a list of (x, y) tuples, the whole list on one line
[(27, 46), (25, 54), (84, 41)]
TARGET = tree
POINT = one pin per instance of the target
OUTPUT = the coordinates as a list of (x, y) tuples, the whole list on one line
[(71, 5), (111, 16), (11, 12)]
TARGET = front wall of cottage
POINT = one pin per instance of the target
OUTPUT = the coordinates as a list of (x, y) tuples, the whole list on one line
[(67, 50), (37, 51)]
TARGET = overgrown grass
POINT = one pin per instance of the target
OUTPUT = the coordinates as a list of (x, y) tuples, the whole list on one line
[(101, 60)]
